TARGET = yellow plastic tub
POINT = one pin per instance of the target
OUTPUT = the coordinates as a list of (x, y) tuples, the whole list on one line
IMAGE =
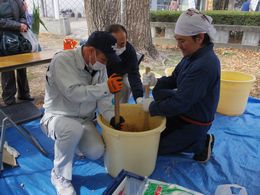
[(142, 71), (134, 150), (234, 91), (168, 71)]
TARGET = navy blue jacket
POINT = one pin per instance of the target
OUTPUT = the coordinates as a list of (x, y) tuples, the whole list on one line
[(130, 66), (192, 90)]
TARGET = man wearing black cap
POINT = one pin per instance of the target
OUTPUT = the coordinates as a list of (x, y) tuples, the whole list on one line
[(77, 85)]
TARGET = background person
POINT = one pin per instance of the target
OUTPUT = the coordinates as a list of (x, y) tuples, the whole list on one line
[(12, 18), (128, 67)]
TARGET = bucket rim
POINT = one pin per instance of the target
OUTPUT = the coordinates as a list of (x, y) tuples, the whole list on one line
[(162, 126), (248, 81)]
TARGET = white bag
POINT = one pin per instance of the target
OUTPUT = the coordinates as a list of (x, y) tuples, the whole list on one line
[(29, 35), (226, 189)]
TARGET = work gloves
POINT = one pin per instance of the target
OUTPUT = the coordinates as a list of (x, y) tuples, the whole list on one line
[(139, 100), (146, 104), (115, 83), (117, 126), (149, 79)]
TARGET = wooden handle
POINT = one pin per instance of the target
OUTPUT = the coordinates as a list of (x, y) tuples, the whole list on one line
[(147, 70), (147, 87), (147, 91), (117, 109)]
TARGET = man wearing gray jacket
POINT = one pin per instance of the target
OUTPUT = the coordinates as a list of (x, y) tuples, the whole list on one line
[(77, 85)]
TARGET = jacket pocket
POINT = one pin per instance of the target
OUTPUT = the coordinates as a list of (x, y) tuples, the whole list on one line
[(47, 128)]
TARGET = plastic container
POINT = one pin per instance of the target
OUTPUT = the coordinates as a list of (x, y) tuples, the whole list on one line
[(128, 183), (230, 189), (234, 91), (168, 71), (134, 150), (142, 71), (69, 44)]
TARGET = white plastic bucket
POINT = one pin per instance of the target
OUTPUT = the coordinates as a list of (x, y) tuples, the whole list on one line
[(133, 151), (234, 91)]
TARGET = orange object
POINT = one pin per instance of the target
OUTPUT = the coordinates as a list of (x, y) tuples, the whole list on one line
[(115, 83), (69, 44)]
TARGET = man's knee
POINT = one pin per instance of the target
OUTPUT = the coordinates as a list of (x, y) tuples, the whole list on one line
[(96, 151), (67, 128), (91, 143)]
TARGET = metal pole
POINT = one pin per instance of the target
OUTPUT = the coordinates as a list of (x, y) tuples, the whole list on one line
[(2, 140), (56, 9), (42, 7)]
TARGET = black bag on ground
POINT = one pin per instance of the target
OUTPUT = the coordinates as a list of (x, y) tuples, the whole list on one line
[(12, 42)]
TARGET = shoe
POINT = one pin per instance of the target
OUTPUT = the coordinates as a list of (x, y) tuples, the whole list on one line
[(27, 98), (205, 155), (62, 185)]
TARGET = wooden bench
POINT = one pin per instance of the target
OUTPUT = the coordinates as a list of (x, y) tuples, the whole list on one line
[(13, 62)]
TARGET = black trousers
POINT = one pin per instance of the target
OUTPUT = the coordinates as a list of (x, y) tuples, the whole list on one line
[(180, 136), (9, 85)]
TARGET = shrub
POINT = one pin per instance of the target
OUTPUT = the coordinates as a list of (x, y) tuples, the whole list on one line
[(219, 17)]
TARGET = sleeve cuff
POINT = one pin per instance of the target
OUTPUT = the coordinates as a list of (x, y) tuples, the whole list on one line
[(105, 89), (153, 109)]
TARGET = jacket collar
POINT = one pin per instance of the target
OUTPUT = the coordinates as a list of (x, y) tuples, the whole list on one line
[(79, 58), (201, 52)]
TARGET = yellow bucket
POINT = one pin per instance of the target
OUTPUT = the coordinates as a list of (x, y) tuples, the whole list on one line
[(168, 71), (234, 91), (134, 150)]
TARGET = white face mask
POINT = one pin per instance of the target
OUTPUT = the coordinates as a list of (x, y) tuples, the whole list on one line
[(98, 66), (119, 51)]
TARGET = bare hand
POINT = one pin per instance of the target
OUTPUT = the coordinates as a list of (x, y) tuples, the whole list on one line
[(23, 28)]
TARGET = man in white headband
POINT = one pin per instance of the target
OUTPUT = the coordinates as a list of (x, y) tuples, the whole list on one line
[(189, 97)]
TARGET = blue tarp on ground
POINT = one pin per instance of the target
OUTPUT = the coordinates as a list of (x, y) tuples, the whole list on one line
[(236, 160)]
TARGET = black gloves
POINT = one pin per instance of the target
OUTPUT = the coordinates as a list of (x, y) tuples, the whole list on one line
[(118, 126)]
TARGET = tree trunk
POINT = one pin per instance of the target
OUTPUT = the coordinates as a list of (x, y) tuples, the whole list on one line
[(135, 18), (123, 12), (220, 4), (231, 4), (100, 13), (138, 26)]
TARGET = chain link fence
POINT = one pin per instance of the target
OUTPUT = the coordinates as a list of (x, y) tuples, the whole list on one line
[(67, 8)]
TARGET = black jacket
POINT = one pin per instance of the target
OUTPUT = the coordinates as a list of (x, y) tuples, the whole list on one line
[(15, 21), (129, 65)]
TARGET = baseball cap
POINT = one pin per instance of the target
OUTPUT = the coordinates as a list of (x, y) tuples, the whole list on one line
[(104, 42)]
